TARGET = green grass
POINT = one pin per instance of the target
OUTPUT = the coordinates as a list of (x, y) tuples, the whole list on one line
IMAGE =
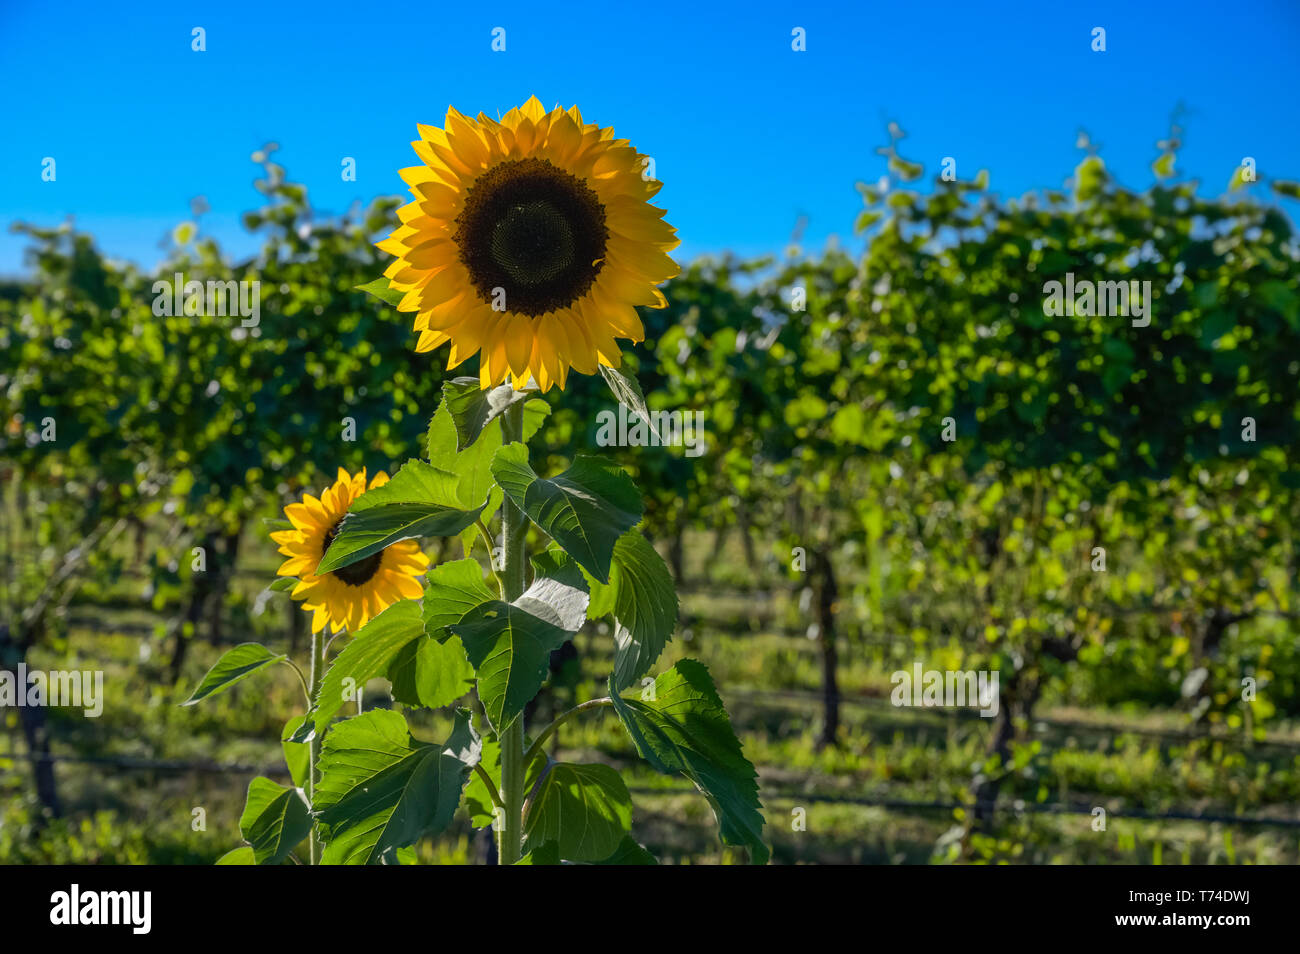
[(768, 675)]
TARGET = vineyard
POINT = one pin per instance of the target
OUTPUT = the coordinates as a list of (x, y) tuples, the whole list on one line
[(910, 460)]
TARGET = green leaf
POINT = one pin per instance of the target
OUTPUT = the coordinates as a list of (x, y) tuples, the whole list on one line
[(848, 426), (381, 789), (1216, 324), (547, 854), (585, 810), (682, 728), (585, 510), (535, 412), (558, 593), (1090, 178), (244, 660), (429, 673), (366, 656), (297, 755), (629, 852), (866, 219), (641, 597), (275, 820), (1286, 188), (451, 590), (509, 644), (1279, 297), (400, 856), (416, 482), (471, 465), (243, 855), (627, 391), (1117, 349), (473, 408), (1115, 376), (381, 289), (420, 501), (304, 733), (283, 583)]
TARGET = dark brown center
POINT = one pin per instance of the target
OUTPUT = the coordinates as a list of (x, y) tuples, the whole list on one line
[(533, 231), (353, 574)]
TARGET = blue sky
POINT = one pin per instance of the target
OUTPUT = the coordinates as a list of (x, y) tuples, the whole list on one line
[(747, 134)]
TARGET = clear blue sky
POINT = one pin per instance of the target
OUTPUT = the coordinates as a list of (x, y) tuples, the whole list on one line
[(747, 135)]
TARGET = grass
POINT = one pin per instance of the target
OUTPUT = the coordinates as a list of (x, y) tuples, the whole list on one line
[(885, 795)]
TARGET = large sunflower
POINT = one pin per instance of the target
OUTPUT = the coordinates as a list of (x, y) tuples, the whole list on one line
[(351, 595), (529, 242)]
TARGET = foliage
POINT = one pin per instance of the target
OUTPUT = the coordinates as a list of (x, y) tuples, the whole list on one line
[(950, 454)]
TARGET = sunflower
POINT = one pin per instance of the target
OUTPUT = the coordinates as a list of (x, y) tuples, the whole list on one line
[(530, 242), (351, 595)]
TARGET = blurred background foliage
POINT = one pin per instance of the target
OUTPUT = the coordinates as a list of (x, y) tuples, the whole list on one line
[(907, 461)]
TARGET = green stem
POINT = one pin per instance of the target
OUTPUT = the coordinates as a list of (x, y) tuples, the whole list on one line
[(514, 525), (317, 673), (560, 720), (487, 781), (306, 690), (492, 563)]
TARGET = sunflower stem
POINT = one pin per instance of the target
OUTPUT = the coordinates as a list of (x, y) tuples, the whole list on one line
[(514, 530), (559, 721), (317, 673), (306, 689)]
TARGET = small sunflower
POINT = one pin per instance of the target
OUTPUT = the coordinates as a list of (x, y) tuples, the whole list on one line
[(351, 595), (530, 241)]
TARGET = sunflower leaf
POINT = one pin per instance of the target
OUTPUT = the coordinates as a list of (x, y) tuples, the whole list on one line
[(681, 727), (399, 856), (471, 467), (629, 852), (243, 855), (382, 290), (420, 501), (451, 591), (509, 644), (369, 653), (585, 810), (244, 660), (381, 789), (430, 674), (641, 597), (473, 408), (547, 854), (585, 509), (297, 755), (535, 412), (274, 821), (627, 391)]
